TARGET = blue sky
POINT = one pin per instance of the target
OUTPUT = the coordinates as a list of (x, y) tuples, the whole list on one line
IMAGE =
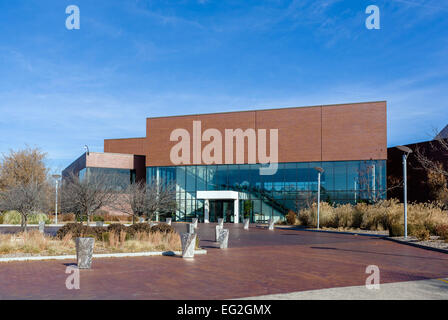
[(61, 89)]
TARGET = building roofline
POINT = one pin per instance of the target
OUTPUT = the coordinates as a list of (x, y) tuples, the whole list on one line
[(124, 139), (268, 109)]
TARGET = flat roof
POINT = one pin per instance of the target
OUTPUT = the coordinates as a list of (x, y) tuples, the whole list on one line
[(268, 109)]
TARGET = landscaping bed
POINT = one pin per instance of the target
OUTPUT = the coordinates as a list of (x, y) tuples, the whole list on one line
[(115, 238), (434, 242)]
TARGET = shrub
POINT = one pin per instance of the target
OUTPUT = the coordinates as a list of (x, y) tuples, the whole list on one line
[(396, 230), (98, 218), (291, 217), (139, 227), (68, 217), (105, 236), (117, 228), (38, 217), (94, 232), (79, 230), (442, 231), (12, 217), (75, 229), (420, 232), (82, 218), (1, 219), (162, 228)]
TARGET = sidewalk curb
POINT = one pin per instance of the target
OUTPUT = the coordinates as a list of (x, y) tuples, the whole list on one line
[(101, 255), (417, 245)]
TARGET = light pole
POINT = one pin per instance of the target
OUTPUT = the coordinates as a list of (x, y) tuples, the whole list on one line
[(56, 177), (406, 153), (319, 172)]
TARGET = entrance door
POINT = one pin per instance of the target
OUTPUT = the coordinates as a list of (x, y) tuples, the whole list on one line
[(221, 209)]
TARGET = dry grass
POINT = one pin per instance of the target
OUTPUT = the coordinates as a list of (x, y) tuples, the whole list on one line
[(377, 216), (35, 243), (140, 242)]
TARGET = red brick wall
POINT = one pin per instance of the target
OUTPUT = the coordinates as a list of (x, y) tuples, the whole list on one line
[(321, 133)]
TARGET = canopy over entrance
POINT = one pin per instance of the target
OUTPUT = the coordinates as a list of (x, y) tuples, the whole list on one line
[(218, 195)]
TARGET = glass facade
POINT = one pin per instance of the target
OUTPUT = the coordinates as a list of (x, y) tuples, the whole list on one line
[(120, 178), (294, 186)]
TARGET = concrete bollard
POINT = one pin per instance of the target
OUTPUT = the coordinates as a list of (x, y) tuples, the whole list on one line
[(190, 228), (246, 224), (188, 244), (168, 221), (152, 224), (41, 226), (271, 224), (84, 252), (221, 222), (195, 222), (218, 228), (223, 238)]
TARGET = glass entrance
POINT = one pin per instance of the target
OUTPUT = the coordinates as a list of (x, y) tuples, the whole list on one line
[(221, 209)]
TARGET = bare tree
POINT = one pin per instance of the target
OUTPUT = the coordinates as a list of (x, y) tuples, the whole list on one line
[(160, 198), (26, 198), (438, 146), (133, 200), (85, 196), (436, 170)]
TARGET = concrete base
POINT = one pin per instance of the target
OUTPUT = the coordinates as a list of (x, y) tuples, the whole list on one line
[(188, 244), (271, 224), (246, 224), (191, 228), (41, 226), (218, 228), (84, 252), (223, 238)]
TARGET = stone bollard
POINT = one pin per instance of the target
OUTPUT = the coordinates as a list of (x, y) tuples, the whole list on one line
[(168, 221), (99, 223), (191, 228), (223, 238), (188, 241), (195, 222), (246, 224), (271, 224), (221, 222), (84, 252), (218, 229), (41, 226)]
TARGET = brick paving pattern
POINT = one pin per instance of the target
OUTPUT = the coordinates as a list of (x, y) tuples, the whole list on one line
[(258, 262)]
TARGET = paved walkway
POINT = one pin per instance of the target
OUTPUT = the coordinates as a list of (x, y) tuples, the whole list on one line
[(258, 262), (434, 289)]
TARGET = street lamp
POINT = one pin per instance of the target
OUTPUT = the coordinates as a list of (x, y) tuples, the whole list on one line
[(406, 153), (319, 172), (56, 177), (87, 149)]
